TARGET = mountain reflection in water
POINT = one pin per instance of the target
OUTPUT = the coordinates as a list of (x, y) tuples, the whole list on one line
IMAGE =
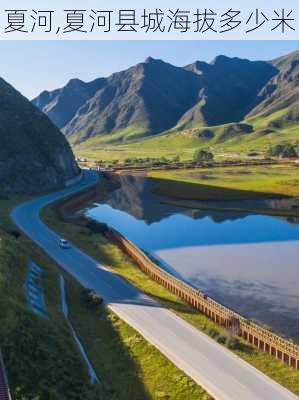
[(248, 262)]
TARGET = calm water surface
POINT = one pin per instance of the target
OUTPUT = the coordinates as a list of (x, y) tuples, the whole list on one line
[(247, 262)]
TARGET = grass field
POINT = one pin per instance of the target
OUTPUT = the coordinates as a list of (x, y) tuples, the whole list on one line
[(187, 188), (110, 256), (281, 179)]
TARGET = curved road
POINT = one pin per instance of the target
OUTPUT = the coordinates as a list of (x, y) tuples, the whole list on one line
[(220, 372)]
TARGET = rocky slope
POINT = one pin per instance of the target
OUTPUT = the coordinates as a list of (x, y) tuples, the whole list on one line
[(155, 96), (149, 97), (282, 91), (62, 104), (34, 155), (229, 90)]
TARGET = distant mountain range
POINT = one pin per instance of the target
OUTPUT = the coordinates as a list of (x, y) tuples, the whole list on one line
[(154, 96), (34, 155)]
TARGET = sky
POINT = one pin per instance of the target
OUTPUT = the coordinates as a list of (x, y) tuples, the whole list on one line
[(34, 66)]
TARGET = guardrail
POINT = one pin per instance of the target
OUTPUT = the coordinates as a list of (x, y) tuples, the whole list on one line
[(4, 388), (256, 335)]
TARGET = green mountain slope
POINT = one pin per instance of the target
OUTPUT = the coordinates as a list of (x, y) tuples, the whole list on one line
[(256, 134)]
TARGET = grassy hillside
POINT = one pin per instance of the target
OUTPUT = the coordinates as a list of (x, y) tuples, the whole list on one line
[(41, 358), (226, 141)]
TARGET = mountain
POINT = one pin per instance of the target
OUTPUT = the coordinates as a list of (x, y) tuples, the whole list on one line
[(229, 90), (282, 91), (154, 96), (34, 155), (61, 105), (149, 97)]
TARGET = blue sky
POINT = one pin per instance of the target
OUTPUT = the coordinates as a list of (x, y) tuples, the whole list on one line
[(33, 66)]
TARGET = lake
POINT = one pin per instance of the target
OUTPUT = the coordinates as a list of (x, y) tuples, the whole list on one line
[(248, 262)]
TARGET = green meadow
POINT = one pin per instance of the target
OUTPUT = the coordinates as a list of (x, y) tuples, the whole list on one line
[(277, 179)]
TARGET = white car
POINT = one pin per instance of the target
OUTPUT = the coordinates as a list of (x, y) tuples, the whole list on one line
[(64, 244)]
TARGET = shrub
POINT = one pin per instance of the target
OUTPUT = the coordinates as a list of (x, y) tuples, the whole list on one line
[(283, 151), (213, 333), (222, 339), (203, 156), (91, 299), (233, 343)]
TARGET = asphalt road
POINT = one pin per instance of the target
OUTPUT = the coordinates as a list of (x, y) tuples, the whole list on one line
[(220, 372)]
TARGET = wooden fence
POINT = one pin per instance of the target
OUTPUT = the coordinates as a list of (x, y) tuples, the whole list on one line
[(254, 334)]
